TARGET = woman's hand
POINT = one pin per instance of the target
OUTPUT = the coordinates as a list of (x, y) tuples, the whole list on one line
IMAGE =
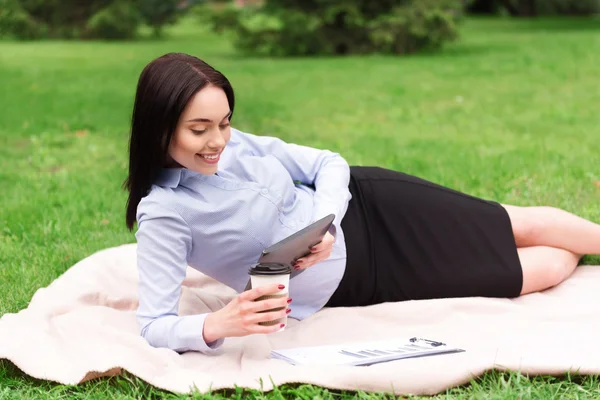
[(319, 252), (241, 316)]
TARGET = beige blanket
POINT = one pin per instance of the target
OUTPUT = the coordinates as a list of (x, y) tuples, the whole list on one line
[(83, 326)]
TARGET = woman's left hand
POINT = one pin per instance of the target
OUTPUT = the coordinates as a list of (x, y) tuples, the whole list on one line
[(319, 252)]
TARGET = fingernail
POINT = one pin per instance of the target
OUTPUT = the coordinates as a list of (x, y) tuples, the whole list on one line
[(289, 310), (281, 287), (282, 325), (289, 301)]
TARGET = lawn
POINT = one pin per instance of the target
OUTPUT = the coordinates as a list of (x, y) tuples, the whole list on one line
[(509, 112)]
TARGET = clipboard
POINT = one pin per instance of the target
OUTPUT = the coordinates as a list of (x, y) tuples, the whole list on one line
[(297, 245), (364, 353)]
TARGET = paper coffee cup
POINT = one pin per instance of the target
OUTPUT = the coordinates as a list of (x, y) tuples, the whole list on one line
[(271, 273)]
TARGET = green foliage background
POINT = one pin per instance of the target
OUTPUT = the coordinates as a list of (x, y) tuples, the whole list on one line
[(90, 19), (336, 27)]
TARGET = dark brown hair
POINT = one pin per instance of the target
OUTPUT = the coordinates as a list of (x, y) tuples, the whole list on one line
[(164, 88)]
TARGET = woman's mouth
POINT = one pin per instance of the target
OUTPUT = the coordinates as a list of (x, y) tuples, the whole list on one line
[(210, 158)]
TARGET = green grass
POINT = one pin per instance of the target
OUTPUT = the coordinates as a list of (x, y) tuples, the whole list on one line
[(509, 112)]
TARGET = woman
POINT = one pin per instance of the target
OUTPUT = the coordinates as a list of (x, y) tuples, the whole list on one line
[(212, 197)]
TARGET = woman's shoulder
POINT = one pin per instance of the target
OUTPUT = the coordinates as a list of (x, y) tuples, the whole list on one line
[(240, 143), (241, 137), (239, 140), (248, 143), (159, 202), (160, 223)]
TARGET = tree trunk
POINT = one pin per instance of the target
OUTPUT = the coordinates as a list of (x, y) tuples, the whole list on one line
[(483, 7), (527, 8), (520, 8), (510, 7)]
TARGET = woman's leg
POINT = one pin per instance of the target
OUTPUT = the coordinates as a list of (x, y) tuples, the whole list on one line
[(550, 244), (553, 227), (545, 267)]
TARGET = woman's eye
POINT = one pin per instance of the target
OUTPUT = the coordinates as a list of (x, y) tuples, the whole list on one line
[(223, 126), (197, 132)]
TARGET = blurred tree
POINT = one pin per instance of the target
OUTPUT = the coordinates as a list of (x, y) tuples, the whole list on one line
[(532, 8), (79, 19), (520, 8), (63, 18), (158, 13), (568, 7), (15, 22), (118, 20), (483, 7), (309, 27)]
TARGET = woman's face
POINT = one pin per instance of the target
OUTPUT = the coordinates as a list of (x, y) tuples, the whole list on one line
[(202, 132)]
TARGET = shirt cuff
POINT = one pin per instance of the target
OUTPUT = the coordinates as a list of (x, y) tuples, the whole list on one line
[(190, 329)]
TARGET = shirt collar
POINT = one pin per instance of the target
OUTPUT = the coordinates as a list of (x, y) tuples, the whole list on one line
[(173, 177), (169, 177)]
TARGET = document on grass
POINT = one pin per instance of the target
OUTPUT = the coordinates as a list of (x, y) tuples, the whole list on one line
[(363, 353)]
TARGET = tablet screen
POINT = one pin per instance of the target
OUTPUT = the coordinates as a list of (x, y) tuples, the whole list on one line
[(298, 245)]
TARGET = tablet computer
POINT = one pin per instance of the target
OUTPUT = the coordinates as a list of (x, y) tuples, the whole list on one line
[(297, 245)]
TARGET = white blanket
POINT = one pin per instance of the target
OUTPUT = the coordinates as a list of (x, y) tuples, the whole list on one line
[(83, 326)]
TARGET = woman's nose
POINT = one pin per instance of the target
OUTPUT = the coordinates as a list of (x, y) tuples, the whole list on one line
[(217, 141)]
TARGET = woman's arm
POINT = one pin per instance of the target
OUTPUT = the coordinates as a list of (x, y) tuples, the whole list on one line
[(326, 170), (163, 243)]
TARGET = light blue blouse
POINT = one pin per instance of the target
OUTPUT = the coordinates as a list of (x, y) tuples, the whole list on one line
[(264, 190)]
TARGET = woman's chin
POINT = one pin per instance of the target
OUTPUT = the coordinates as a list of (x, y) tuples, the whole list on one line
[(206, 170)]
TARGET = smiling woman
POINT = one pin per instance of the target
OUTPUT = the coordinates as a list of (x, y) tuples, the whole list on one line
[(212, 197), (168, 102), (202, 133)]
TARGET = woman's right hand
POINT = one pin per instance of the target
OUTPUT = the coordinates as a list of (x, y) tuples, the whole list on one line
[(241, 316)]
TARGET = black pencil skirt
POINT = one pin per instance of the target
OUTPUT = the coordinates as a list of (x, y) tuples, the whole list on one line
[(410, 239)]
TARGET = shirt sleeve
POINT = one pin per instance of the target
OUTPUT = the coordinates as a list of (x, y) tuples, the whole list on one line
[(327, 171), (163, 243)]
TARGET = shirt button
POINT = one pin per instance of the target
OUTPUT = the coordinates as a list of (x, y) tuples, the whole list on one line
[(265, 191)]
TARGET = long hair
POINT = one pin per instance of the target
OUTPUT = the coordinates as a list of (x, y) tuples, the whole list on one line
[(164, 89)]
